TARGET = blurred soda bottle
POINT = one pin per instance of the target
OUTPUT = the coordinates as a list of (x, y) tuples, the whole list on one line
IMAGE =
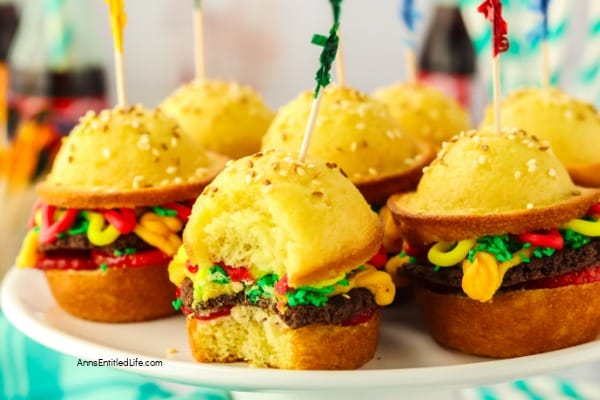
[(55, 77), (8, 26), (447, 59)]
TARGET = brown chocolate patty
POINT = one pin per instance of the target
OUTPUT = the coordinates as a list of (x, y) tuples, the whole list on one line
[(81, 242), (337, 310)]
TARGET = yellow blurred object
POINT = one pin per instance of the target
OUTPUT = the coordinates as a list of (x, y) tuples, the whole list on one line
[(352, 129), (20, 160), (571, 127), (118, 19), (225, 117), (424, 112)]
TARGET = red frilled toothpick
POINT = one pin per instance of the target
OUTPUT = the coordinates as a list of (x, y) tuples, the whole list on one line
[(492, 10)]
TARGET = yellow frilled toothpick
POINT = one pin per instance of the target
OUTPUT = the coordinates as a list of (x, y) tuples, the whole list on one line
[(118, 19)]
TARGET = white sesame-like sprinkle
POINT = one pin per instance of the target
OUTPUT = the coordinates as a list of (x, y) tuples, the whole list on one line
[(171, 169), (177, 179), (552, 172), (372, 171), (201, 171), (171, 353), (390, 134), (164, 182), (282, 172), (137, 181), (94, 126), (135, 124), (267, 188), (482, 159), (511, 136), (425, 169), (517, 174), (360, 126), (248, 179), (300, 171), (155, 152), (173, 142), (315, 182), (353, 146), (228, 163), (106, 152), (568, 114), (529, 206)]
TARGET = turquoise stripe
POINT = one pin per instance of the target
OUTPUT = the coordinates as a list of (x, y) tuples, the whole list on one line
[(41, 367), (524, 387), (569, 390), (594, 28), (485, 393)]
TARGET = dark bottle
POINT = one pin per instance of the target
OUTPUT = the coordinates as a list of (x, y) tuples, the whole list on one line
[(55, 77), (447, 60), (8, 27)]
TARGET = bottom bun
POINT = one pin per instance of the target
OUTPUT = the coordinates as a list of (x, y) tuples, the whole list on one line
[(514, 324), (114, 295), (264, 340)]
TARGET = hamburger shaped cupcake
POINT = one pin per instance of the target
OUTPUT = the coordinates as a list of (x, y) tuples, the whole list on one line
[(424, 112), (503, 247), (225, 117), (111, 212), (273, 267), (360, 135), (572, 128)]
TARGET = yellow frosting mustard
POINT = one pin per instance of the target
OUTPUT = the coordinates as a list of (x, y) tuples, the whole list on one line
[(584, 227), (160, 232), (100, 233), (27, 256), (483, 277), (447, 254)]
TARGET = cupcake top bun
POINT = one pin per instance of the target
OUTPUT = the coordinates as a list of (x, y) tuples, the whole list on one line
[(424, 112), (572, 127), (272, 213), (127, 158), (483, 183), (225, 117), (358, 133)]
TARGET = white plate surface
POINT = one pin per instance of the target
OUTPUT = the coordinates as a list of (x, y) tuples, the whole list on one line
[(407, 358)]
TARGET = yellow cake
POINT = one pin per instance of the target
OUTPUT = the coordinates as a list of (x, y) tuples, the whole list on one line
[(571, 126), (424, 112), (358, 133), (111, 213), (271, 238), (225, 117)]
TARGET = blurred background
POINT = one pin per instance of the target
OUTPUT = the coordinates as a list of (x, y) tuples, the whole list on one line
[(56, 62)]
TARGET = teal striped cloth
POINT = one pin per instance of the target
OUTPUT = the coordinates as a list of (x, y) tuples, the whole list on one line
[(537, 388), (31, 371)]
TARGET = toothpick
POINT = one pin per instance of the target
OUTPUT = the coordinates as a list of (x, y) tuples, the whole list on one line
[(340, 69), (310, 126), (496, 83), (411, 64), (545, 64), (120, 78), (199, 42)]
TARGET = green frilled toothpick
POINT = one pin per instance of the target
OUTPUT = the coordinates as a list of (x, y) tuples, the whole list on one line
[(323, 76)]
